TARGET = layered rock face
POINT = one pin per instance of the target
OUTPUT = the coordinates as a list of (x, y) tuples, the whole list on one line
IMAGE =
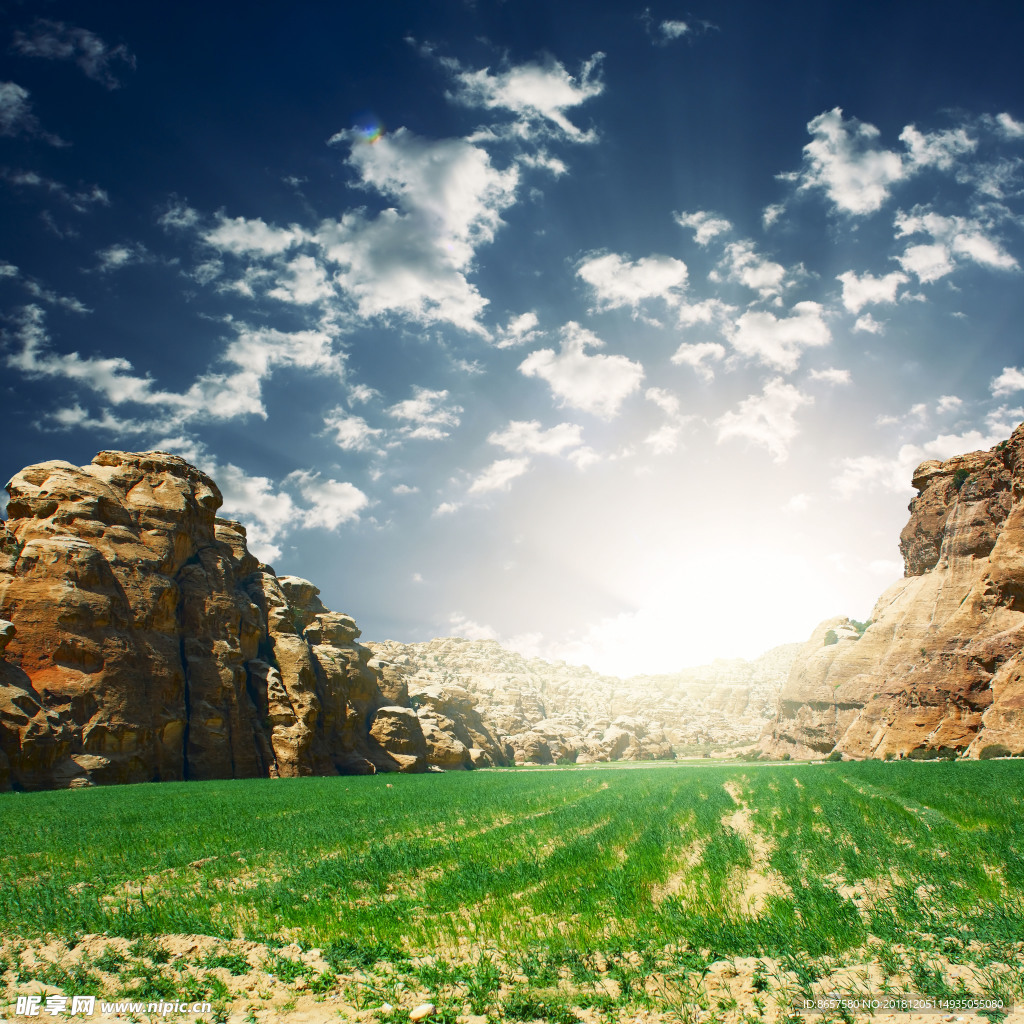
[(554, 712), (142, 641), (942, 663)]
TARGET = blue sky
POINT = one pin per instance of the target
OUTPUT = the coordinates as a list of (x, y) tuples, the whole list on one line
[(613, 332)]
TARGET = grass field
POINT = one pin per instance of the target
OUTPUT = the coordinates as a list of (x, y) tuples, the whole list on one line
[(558, 895)]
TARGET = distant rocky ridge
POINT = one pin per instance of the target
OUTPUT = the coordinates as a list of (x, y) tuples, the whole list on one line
[(141, 641), (554, 712), (941, 667)]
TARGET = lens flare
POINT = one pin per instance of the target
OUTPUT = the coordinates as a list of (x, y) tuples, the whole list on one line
[(369, 127)]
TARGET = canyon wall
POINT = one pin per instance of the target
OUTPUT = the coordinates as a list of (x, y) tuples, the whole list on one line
[(141, 641), (941, 666)]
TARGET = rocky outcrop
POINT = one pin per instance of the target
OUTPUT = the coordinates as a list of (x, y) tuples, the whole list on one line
[(149, 644), (941, 666), (552, 712)]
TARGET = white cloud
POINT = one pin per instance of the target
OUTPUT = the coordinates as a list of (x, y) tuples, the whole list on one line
[(55, 40), (16, 115), (252, 356), (526, 437), (537, 94), (831, 375), (866, 290), (1008, 127), (845, 161), (499, 475), (447, 508), (665, 439), (115, 257), (520, 330), (351, 433), (927, 262), (333, 502), (768, 419), (875, 472), (618, 282), (80, 201), (744, 264), (954, 236), (705, 225), (241, 235), (413, 258), (267, 513), (1009, 381), (698, 356), (427, 415), (467, 629), (779, 342), (178, 215), (303, 281), (798, 503), (707, 311), (771, 214), (948, 403), (936, 149), (869, 325), (401, 489), (674, 29), (597, 384)]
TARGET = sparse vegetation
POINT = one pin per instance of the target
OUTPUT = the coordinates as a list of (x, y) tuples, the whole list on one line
[(994, 750), (960, 477), (831, 637)]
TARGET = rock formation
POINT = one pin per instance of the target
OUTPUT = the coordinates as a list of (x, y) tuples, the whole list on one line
[(941, 666), (553, 712), (142, 641)]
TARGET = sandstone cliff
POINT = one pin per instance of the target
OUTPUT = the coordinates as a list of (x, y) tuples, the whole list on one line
[(557, 712), (942, 663), (142, 642)]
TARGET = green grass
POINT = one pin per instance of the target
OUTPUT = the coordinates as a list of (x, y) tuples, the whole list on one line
[(534, 873)]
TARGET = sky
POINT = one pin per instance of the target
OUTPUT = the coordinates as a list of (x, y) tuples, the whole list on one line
[(613, 332)]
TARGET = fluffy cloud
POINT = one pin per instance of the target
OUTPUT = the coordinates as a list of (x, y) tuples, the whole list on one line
[(831, 375), (426, 414), (526, 437), (520, 330), (537, 94), (869, 325), (962, 237), (332, 502), (673, 29), (875, 472), (859, 292), (698, 356), (499, 475), (351, 433), (241, 235), (54, 40), (1009, 381), (706, 226), (744, 264), (115, 257), (665, 439), (779, 342), (266, 512), (618, 282), (413, 258), (845, 161), (302, 281), (937, 149), (597, 384), (768, 419), (927, 262)]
